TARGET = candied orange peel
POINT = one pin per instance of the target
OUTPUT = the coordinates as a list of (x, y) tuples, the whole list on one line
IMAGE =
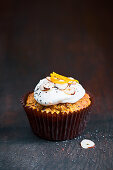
[(59, 79)]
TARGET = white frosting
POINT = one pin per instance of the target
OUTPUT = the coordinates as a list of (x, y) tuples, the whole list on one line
[(48, 93)]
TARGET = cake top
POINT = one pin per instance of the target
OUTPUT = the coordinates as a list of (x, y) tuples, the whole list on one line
[(57, 89), (58, 108)]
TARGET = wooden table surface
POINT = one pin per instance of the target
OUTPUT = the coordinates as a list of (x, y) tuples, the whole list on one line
[(73, 39)]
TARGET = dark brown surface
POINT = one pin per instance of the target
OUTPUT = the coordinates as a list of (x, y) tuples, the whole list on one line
[(73, 39)]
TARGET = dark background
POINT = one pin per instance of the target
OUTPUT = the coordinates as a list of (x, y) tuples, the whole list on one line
[(73, 38)]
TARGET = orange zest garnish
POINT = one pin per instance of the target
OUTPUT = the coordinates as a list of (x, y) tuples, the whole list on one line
[(55, 80), (59, 79)]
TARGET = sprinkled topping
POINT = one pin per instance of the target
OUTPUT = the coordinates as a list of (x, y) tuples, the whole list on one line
[(86, 143), (70, 90), (46, 86), (58, 89)]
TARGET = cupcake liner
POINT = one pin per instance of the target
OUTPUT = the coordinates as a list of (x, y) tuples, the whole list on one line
[(55, 126)]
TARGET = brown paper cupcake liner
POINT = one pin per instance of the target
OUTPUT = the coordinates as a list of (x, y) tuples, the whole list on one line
[(55, 126)]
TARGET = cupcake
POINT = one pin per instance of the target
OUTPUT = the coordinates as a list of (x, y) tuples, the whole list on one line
[(58, 108)]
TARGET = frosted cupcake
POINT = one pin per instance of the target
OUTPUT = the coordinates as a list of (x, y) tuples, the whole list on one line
[(58, 109)]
